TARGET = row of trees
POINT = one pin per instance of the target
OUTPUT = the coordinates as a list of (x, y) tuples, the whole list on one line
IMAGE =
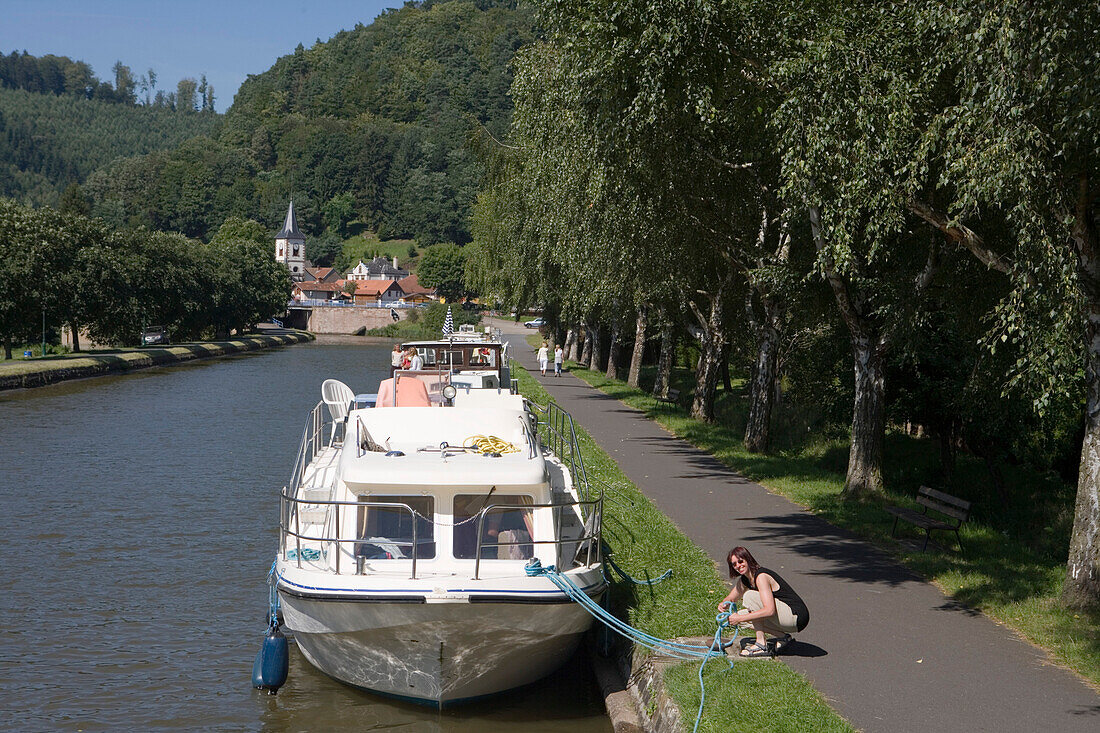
[(918, 178), (60, 75), (73, 271)]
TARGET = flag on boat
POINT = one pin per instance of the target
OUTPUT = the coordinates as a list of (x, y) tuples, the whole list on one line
[(448, 323)]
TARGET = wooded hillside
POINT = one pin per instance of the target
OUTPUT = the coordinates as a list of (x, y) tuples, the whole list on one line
[(369, 126), (48, 142)]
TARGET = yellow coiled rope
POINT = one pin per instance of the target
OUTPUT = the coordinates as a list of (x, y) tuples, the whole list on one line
[(489, 444)]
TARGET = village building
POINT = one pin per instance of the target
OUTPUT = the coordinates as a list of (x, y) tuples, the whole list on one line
[(377, 292), (377, 269), (415, 292)]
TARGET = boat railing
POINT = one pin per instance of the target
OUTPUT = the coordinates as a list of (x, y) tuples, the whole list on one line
[(313, 441), (559, 434), (336, 541), (589, 539)]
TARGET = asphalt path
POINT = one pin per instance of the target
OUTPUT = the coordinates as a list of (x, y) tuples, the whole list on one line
[(888, 650)]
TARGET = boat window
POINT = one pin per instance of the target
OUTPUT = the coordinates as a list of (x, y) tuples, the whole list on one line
[(453, 357), (506, 530), (387, 532), (483, 357)]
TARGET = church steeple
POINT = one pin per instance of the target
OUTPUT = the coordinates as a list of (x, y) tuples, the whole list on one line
[(290, 226), (290, 246)]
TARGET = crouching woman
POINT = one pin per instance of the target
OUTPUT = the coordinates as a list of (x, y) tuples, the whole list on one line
[(768, 603)]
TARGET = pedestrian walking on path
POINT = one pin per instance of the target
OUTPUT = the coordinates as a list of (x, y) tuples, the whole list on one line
[(769, 603), (543, 357), (559, 357)]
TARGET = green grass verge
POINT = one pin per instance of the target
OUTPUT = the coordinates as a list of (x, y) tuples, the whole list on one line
[(118, 357), (1014, 559), (645, 544)]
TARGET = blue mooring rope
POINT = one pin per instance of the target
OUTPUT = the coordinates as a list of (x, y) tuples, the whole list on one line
[(680, 651), (272, 598), (627, 576)]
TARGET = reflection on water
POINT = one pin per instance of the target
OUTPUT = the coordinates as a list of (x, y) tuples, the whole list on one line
[(141, 520)]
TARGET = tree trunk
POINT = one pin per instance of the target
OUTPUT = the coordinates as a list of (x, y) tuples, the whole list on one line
[(76, 335), (762, 391), (1082, 585), (724, 366), (613, 351), (664, 362), (7, 347), (636, 357), (571, 344), (868, 419), (869, 354), (586, 352), (710, 356), (594, 355)]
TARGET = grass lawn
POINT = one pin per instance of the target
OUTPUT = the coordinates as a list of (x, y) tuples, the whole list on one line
[(1014, 559), (645, 543)]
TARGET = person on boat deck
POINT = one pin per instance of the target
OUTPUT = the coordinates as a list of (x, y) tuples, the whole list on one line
[(397, 357), (769, 604), (416, 362)]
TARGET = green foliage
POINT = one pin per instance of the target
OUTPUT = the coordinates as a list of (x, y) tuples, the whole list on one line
[(443, 267), (116, 283), (235, 228)]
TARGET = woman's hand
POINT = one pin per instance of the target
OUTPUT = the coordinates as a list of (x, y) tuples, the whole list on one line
[(723, 606)]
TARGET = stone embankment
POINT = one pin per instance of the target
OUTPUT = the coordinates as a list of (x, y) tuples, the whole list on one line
[(40, 372)]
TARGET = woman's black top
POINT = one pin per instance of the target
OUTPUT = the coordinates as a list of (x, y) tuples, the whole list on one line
[(785, 594)]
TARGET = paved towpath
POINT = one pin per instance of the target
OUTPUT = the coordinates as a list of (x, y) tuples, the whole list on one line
[(888, 650)]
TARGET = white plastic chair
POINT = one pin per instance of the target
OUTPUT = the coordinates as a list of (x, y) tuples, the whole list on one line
[(337, 397)]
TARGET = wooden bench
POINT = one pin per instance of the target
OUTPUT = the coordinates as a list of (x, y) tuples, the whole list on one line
[(955, 509), (673, 398)]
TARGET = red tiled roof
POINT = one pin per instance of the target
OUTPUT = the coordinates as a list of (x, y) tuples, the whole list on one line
[(412, 286), (317, 286), (375, 287)]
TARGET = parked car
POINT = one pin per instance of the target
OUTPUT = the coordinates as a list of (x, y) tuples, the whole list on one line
[(535, 323), (155, 336)]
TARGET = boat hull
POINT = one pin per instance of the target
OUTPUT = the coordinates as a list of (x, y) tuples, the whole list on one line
[(432, 652)]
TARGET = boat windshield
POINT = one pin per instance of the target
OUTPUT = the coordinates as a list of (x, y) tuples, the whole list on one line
[(506, 531), (386, 532)]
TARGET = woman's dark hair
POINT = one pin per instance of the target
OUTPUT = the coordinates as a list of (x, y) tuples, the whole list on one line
[(742, 554)]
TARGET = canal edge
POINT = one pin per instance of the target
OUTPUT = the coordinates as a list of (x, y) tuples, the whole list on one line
[(633, 689), (128, 361)]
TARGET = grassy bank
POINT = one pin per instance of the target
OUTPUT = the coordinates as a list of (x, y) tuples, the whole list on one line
[(646, 543), (1014, 559)]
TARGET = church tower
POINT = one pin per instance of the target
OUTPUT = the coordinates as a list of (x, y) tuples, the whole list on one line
[(290, 246)]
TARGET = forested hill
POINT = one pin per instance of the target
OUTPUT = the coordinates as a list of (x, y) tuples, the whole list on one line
[(49, 141), (370, 126)]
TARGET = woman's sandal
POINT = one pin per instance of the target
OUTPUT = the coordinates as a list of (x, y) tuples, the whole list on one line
[(782, 642), (757, 650)]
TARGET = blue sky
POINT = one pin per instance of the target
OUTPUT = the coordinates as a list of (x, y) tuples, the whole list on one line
[(225, 40)]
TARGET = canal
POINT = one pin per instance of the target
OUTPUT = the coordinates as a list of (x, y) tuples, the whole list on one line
[(141, 522)]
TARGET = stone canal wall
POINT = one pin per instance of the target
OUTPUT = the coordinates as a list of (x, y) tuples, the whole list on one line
[(37, 373), (342, 319)]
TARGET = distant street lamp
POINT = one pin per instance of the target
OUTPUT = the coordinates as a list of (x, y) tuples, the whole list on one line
[(43, 331)]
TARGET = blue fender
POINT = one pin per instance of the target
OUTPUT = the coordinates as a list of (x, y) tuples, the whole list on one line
[(272, 663)]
